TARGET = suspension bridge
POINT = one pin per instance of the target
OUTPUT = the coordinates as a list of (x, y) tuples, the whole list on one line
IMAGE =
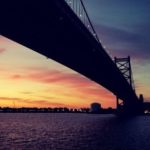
[(62, 30)]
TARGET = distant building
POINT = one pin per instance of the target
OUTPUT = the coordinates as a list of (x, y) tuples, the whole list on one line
[(95, 108), (146, 106)]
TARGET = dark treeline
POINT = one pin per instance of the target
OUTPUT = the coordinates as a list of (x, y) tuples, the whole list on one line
[(52, 110), (42, 110)]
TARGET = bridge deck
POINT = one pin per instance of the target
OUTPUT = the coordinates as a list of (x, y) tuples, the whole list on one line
[(51, 28)]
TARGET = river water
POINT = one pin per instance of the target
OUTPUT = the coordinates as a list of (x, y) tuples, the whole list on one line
[(50, 131)]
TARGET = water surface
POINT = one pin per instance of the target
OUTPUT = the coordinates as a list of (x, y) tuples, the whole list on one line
[(50, 131)]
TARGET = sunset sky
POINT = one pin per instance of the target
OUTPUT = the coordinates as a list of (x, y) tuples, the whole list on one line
[(28, 79)]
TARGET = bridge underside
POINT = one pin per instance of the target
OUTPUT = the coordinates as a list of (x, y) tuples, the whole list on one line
[(52, 29)]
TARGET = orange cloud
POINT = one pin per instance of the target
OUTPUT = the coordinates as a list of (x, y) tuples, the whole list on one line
[(16, 76), (51, 76), (26, 93)]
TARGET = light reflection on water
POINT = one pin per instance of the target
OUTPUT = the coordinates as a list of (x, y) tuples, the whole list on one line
[(73, 132)]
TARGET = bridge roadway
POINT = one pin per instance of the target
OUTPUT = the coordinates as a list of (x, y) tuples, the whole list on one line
[(51, 28)]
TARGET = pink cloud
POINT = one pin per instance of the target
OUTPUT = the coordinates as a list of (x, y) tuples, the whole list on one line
[(80, 85), (46, 76), (2, 50)]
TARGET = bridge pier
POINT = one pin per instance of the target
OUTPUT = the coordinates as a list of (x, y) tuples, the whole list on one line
[(129, 107)]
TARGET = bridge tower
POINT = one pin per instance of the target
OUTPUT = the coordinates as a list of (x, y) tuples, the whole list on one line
[(124, 65)]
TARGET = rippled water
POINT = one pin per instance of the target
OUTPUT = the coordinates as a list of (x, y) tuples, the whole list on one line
[(73, 132)]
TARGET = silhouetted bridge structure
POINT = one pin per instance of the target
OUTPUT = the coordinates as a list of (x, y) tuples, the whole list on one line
[(53, 29)]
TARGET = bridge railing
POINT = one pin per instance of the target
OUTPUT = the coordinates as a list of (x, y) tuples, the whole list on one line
[(79, 9)]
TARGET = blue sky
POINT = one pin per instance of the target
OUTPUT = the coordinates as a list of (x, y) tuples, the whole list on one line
[(123, 26)]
